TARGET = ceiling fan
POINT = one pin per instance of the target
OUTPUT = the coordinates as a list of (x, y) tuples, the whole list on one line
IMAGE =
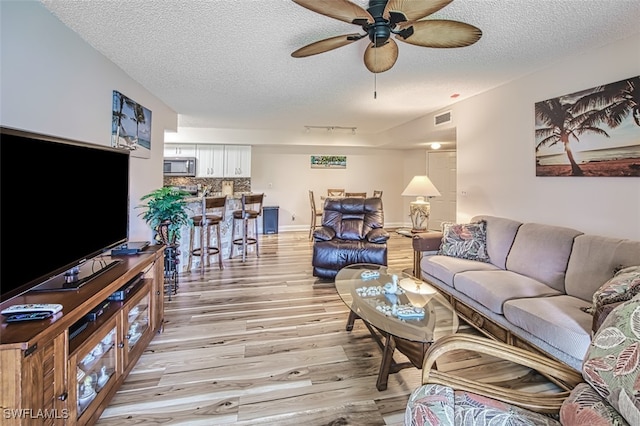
[(386, 17)]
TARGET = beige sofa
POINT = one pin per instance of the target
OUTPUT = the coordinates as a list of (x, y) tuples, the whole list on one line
[(535, 290)]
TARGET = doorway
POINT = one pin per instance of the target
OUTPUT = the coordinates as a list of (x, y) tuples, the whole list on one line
[(441, 169)]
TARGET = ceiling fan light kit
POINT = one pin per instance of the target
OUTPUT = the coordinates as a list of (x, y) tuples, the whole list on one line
[(403, 18)]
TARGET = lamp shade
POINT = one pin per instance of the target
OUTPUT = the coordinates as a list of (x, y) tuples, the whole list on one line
[(420, 186)]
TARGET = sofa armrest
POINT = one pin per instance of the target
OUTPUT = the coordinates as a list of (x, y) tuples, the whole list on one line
[(427, 241), (539, 402)]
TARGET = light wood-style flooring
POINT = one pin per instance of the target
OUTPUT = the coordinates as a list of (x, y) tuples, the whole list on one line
[(264, 343)]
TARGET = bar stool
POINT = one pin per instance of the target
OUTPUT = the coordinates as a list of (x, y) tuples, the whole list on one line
[(209, 219), (251, 211)]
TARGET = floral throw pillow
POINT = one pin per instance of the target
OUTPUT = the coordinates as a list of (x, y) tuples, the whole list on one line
[(612, 363), (465, 241), (623, 286)]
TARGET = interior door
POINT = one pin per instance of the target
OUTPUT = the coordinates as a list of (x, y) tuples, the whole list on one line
[(441, 168)]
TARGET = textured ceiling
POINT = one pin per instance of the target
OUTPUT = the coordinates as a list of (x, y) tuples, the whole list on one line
[(228, 64)]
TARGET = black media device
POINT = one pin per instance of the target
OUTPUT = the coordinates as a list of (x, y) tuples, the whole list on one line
[(123, 292), (79, 210), (130, 248), (77, 328), (97, 311)]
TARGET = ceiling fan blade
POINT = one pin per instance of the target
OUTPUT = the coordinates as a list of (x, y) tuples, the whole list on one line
[(381, 59), (342, 10), (326, 45), (412, 9), (441, 33)]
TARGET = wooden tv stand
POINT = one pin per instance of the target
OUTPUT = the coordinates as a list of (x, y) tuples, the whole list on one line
[(48, 378)]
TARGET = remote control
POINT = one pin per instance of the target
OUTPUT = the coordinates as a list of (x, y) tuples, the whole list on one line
[(29, 317), (30, 308)]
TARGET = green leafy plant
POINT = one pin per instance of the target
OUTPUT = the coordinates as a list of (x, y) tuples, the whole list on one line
[(166, 212)]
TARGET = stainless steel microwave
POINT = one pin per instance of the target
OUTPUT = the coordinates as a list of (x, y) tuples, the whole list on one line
[(179, 166)]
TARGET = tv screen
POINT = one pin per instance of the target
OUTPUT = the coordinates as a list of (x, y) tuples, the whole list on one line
[(63, 202)]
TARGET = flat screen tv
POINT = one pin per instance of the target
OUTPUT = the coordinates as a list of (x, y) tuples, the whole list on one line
[(62, 204)]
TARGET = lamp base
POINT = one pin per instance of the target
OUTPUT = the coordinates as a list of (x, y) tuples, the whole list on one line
[(419, 211)]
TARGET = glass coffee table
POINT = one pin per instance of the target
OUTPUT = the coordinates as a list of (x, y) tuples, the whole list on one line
[(400, 311)]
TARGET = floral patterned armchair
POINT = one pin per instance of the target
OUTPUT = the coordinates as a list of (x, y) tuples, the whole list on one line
[(607, 392)]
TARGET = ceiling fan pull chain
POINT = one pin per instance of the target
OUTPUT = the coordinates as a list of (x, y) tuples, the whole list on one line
[(375, 93), (375, 61)]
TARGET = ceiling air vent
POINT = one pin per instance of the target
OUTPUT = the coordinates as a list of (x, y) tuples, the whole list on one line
[(442, 118)]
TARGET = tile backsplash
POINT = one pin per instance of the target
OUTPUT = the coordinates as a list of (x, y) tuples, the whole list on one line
[(214, 184)]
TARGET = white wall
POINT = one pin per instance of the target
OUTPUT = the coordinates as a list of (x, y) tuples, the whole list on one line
[(285, 176), (496, 163), (55, 83), (496, 155)]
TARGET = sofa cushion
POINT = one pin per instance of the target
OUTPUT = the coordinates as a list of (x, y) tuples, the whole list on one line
[(500, 235), (445, 267), (612, 364), (430, 405), (493, 288), (556, 320), (584, 406), (542, 252), (594, 260), (465, 241), (433, 404)]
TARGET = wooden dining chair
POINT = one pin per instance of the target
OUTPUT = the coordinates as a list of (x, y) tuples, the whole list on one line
[(335, 192), (355, 194), (315, 214)]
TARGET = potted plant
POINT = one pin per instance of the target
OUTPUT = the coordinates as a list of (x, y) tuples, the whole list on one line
[(166, 212)]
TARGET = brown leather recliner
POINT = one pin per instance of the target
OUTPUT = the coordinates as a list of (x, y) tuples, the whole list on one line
[(351, 232)]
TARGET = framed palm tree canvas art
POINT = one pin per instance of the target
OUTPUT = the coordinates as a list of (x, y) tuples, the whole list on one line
[(130, 126), (594, 132)]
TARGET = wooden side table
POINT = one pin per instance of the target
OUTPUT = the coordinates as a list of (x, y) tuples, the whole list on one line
[(422, 242)]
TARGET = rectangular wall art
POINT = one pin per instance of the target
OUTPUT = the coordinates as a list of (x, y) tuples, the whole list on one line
[(328, 161), (131, 126), (595, 132)]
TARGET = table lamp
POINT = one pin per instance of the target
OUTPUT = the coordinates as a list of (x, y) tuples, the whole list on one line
[(419, 209)]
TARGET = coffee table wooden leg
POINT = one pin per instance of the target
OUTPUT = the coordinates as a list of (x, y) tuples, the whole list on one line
[(385, 365), (352, 318)]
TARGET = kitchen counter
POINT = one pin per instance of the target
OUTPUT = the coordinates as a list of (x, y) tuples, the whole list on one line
[(234, 196), (194, 206)]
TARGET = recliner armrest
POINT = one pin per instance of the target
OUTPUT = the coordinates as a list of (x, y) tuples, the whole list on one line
[(427, 241), (324, 233), (377, 235)]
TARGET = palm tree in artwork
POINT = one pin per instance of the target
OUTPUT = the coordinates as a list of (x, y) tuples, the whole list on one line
[(612, 103), (118, 116), (140, 118), (560, 124)]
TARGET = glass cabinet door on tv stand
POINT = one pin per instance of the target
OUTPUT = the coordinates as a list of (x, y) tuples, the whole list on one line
[(93, 369), (136, 320)]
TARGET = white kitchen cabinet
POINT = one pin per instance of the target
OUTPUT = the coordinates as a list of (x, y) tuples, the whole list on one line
[(210, 160), (179, 150), (237, 161)]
